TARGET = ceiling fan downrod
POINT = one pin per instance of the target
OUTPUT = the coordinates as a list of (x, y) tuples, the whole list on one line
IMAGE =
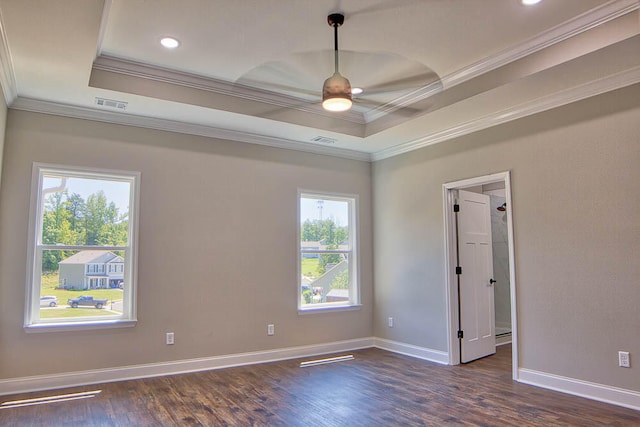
[(335, 20)]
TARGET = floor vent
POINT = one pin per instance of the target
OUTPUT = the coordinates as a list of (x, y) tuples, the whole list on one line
[(50, 399), (325, 361), (110, 103)]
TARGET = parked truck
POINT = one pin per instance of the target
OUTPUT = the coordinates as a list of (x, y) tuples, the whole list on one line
[(86, 301)]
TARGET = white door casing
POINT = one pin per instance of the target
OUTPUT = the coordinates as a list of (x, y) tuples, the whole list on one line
[(476, 294)]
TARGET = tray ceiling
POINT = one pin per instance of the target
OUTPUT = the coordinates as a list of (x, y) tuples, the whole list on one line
[(253, 71)]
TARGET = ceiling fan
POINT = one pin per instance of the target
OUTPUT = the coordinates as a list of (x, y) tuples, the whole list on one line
[(390, 81), (336, 90)]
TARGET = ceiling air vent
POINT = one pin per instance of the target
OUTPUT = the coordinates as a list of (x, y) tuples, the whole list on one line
[(110, 103), (324, 140)]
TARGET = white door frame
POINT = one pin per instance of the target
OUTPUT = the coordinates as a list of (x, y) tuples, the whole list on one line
[(448, 193)]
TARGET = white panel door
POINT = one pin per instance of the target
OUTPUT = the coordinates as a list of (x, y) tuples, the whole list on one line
[(477, 311)]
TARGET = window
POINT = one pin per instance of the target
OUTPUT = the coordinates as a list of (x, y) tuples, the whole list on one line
[(81, 221), (95, 268), (327, 251), (116, 268)]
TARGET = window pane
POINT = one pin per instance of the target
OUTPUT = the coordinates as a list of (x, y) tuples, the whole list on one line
[(81, 263), (325, 278), (84, 211), (324, 221), (325, 250), (65, 277)]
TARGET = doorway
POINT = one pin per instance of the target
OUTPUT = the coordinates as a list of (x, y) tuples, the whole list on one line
[(500, 251), (495, 186)]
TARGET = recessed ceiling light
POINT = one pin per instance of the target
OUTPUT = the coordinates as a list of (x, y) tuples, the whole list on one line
[(170, 42), (530, 2), (356, 90)]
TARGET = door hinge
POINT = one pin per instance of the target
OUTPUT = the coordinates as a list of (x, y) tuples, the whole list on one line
[(456, 208), (460, 334), (458, 270)]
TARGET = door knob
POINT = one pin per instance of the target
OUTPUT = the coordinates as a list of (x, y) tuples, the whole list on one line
[(491, 281)]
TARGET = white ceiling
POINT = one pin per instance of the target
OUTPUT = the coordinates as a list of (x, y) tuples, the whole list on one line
[(252, 71)]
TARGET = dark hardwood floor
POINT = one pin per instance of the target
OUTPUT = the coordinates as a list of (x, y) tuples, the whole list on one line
[(377, 388)]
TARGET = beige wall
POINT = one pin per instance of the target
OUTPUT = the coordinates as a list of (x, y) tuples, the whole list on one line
[(575, 174), (217, 227), (3, 123), (217, 246)]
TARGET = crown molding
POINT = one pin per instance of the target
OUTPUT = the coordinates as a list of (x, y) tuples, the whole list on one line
[(591, 19), (106, 10), (573, 27), (404, 101), (222, 87), (558, 99), (577, 25), (57, 109), (7, 77)]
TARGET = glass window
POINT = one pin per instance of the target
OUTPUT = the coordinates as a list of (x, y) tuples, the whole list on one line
[(81, 221), (327, 251)]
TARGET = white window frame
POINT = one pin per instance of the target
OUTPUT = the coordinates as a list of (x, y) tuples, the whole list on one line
[(32, 321), (354, 269)]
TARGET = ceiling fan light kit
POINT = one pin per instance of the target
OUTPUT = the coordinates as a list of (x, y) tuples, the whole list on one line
[(336, 91)]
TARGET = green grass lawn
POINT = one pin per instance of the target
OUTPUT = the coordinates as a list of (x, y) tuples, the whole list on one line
[(48, 285), (309, 267), (50, 281)]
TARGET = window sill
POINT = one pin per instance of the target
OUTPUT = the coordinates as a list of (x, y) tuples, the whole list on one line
[(328, 308), (79, 326)]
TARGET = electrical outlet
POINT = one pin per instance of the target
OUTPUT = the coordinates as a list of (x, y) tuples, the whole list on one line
[(170, 338), (271, 330), (624, 360), (390, 322)]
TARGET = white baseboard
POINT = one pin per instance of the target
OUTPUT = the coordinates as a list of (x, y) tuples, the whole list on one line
[(436, 356), (600, 392), (72, 379), (603, 393), (503, 340)]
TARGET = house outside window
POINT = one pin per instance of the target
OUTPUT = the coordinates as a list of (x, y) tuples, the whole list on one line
[(88, 270), (83, 234), (327, 255)]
